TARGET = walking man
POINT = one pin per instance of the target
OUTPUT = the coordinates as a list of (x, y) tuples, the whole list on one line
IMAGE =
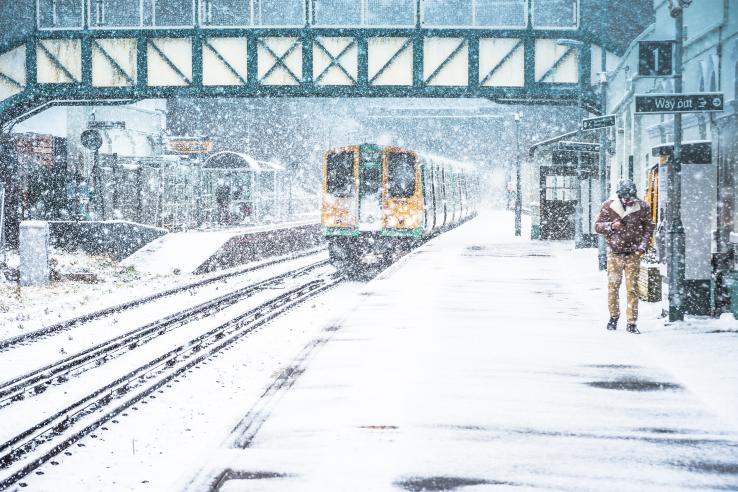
[(626, 223)]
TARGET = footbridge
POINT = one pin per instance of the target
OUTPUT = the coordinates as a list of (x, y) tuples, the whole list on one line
[(81, 51)]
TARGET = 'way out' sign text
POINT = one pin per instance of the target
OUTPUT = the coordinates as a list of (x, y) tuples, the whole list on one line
[(679, 103)]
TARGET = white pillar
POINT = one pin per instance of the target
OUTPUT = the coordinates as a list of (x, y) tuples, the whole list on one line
[(34, 252)]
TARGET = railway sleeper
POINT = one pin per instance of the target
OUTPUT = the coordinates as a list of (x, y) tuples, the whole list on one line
[(63, 425)]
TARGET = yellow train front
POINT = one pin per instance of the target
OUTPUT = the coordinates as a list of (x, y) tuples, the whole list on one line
[(380, 201)]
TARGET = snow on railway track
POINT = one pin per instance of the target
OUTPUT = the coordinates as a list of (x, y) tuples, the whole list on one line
[(62, 326), (28, 449), (39, 380)]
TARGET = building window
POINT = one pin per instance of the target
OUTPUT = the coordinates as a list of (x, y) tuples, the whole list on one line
[(555, 13), (60, 14), (225, 12), (115, 13), (168, 13), (447, 12), (390, 13), (500, 13), (279, 12), (338, 13)]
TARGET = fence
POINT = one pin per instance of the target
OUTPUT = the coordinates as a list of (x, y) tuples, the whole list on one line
[(177, 194)]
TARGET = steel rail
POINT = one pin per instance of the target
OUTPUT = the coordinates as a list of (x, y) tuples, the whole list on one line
[(64, 325), (58, 432), (39, 380)]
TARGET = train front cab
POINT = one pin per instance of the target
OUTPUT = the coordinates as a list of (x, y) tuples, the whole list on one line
[(372, 203)]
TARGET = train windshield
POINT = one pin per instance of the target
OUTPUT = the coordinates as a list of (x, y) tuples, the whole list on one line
[(340, 173), (400, 175), (371, 179)]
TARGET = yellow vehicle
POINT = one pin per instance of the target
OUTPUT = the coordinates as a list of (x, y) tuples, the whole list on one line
[(381, 200)]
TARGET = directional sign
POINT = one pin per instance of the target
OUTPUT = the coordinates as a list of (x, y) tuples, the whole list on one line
[(599, 122), (679, 103), (578, 146), (107, 125)]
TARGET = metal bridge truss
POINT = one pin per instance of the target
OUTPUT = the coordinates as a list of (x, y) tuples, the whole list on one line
[(520, 66)]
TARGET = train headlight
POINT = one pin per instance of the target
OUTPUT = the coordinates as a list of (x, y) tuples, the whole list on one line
[(335, 219)]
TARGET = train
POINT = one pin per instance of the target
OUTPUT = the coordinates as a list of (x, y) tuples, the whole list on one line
[(378, 202)]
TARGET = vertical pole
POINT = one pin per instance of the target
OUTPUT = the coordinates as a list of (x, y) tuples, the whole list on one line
[(601, 243), (676, 228), (578, 236), (97, 186), (518, 184)]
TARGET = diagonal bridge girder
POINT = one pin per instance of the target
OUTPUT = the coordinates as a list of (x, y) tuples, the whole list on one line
[(379, 53)]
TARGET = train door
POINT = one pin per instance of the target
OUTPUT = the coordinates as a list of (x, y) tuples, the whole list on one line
[(558, 199), (370, 190)]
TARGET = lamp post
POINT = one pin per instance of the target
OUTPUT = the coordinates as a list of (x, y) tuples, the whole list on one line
[(518, 184), (578, 234), (675, 228), (601, 242)]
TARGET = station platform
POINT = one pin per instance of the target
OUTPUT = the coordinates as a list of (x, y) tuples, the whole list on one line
[(205, 251), (480, 361)]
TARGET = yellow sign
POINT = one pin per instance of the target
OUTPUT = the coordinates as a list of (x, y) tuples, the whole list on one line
[(189, 145)]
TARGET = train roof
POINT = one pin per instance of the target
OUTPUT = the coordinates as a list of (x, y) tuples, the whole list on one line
[(465, 166)]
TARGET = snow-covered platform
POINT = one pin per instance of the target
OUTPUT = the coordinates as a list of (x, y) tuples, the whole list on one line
[(480, 362), (203, 251)]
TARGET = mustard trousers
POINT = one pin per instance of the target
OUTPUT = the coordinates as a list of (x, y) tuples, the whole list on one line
[(616, 265)]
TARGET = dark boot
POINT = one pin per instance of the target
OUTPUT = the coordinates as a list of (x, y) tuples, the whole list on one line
[(632, 328), (612, 324)]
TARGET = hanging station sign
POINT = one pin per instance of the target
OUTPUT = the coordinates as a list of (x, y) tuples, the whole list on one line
[(679, 103), (599, 122), (189, 145), (578, 146)]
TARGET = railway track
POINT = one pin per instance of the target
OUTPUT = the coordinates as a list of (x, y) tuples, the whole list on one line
[(62, 326), (38, 443), (39, 380)]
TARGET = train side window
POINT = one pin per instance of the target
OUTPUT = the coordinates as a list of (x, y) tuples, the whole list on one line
[(340, 174), (401, 175)]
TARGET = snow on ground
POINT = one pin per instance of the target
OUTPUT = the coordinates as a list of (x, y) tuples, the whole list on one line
[(161, 442), (478, 361), (26, 309)]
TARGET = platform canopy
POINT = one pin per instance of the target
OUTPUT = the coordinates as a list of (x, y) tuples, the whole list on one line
[(229, 160)]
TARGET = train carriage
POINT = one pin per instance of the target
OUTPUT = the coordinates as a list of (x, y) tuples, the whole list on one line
[(379, 201)]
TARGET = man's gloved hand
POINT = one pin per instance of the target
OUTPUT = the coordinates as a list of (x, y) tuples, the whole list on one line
[(617, 225)]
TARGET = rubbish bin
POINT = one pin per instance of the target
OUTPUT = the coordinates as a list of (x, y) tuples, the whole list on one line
[(731, 281)]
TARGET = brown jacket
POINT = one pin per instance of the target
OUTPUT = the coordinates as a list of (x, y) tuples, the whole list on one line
[(637, 230)]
